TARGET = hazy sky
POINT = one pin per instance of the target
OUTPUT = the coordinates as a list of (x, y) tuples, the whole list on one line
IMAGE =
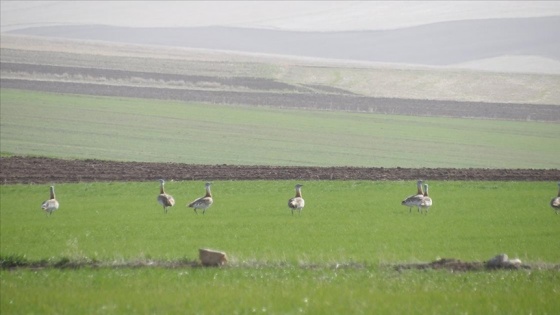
[(288, 15)]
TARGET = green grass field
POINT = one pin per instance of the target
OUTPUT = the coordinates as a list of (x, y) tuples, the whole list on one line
[(272, 253), (73, 126), (278, 263), (277, 291)]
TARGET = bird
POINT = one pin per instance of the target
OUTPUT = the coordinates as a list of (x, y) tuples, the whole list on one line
[(297, 203), (51, 204), (555, 202), (164, 199), (426, 202), (414, 200), (203, 202)]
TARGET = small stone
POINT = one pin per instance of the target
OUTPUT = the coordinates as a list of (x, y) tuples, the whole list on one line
[(212, 258), (497, 262)]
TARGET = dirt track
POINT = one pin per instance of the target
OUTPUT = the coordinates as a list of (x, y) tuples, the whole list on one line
[(38, 170)]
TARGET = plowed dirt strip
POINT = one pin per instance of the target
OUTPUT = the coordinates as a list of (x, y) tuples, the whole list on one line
[(27, 170)]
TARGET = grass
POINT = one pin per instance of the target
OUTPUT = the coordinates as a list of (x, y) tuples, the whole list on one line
[(72, 126), (273, 291), (343, 222)]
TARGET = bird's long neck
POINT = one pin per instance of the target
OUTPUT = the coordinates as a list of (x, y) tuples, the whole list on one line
[(52, 193), (558, 190), (298, 192), (161, 191), (425, 191), (208, 192), (419, 186)]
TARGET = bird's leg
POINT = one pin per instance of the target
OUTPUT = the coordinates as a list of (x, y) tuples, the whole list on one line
[(195, 211), (409, 209), (292, 211)]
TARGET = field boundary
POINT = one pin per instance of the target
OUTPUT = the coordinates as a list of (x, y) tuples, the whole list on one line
[(19, 262), (310, 101), (41, 170)]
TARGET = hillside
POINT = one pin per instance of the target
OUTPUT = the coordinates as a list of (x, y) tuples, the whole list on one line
[(461, 43), (56, 62)]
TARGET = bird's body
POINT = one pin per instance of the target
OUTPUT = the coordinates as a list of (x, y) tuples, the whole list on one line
[(426, 202), (414, 200), (297, 203), (51, 204), (164, 199), (203, 202), (555, 202)]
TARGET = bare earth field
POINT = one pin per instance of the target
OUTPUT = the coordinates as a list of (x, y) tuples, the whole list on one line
[(27, 170)]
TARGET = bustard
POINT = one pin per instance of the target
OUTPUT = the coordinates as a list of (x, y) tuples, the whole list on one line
[(164, 199), (414, 200), (426, 202), (297, 203), (51, 204), (203, 202), (555, 202)]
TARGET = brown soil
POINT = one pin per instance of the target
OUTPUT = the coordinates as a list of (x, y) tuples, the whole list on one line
[(37, 170)]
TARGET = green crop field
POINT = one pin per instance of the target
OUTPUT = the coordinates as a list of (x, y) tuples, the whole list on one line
[(74, 126), (279, 263)]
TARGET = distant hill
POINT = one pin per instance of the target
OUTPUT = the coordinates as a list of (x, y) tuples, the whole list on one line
[(437, 44)]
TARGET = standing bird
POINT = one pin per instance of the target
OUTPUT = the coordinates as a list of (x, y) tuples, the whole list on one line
[(297, 203), (164, 199), (203, 202), (50, 205), (426, 201), (414, 200), (555, 202)]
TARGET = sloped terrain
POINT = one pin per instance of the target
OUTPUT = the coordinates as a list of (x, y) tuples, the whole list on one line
[(443, 43), (250, 91)]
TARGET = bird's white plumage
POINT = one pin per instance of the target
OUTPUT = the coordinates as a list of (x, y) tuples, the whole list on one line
[(297, 203), (203, 203), (426, 202), (414, 200), (51, 204), (164, 199)]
